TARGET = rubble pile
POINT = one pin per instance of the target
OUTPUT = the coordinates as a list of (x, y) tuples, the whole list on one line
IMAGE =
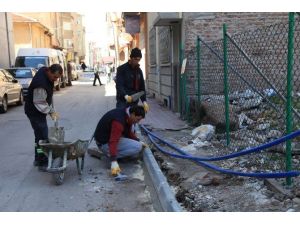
[(255, 123)]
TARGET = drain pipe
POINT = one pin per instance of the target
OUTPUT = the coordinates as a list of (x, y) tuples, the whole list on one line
[(8, 42)]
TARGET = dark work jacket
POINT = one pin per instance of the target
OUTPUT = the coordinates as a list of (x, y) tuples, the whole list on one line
[(103, 129), (40, 80), (129, 81)]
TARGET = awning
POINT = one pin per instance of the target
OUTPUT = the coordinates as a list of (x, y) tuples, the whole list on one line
[(108, 59)]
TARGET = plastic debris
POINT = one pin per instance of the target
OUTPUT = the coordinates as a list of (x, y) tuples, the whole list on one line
[(121, 177)]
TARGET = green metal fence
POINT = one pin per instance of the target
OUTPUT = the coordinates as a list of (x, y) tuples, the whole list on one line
[(248, 84)]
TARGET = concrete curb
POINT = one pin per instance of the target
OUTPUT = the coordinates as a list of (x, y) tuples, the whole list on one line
[(165, 196), (163, 191)]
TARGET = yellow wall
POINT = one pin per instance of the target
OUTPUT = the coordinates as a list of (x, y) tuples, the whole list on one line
[(30, 35)]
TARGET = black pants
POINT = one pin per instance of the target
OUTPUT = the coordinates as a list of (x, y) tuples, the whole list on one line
[(96, 76), (40, 128)]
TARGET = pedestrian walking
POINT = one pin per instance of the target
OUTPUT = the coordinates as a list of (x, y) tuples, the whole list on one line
[(97, 70), (129, 81), (114, 136), (39, 104)]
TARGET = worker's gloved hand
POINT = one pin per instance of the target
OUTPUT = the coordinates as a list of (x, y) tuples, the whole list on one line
[(128, 98), (115, 169), (54, 116), (146, 106), (144, 145)]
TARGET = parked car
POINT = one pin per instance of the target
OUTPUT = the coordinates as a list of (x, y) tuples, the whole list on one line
[(24, 75), (39, 57), (10, 91)]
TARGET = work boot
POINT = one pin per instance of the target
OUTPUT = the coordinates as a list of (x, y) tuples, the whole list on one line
[(41, 160)]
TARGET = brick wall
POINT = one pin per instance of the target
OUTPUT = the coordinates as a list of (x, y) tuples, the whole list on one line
[(264, 42), (209, 25)]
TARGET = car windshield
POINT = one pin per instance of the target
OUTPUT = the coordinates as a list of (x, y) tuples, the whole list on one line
[(30, 61), (21, 73)]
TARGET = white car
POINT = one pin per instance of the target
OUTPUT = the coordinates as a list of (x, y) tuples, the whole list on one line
[(10, 91), (24, 75)]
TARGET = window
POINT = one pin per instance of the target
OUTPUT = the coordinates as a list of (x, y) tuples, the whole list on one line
[(8, 76), (31, 61), (68, 43), (67, 26)]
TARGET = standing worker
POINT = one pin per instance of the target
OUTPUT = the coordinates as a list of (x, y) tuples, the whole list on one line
[(39, 104), (114, 136), (129, 81)]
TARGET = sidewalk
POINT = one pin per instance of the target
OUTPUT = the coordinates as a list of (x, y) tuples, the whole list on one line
[(160, 117)]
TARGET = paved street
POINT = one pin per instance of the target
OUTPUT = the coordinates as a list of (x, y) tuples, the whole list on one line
[(24, 188)]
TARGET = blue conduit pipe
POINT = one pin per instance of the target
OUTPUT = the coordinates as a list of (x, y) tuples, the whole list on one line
[(226, 171), (233, 155)]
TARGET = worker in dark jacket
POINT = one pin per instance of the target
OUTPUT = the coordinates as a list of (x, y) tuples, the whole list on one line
[(114, 136), (39, 104), (129, 81)]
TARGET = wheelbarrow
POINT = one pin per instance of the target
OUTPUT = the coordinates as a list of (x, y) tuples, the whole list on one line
[(58, 152)]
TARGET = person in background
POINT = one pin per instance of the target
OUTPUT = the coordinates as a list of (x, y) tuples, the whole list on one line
[(83, 66), (114, 136), (39, 104), (69, 70), (130, 80), (108, 71), (97, 69)]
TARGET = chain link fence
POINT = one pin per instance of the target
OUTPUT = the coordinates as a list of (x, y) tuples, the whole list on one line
[(257, 85)]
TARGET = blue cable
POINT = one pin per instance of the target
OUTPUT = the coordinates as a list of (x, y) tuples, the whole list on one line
[(226, 171), (233, 155)]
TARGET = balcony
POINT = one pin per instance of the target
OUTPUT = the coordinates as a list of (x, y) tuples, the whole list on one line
[(167, 18)]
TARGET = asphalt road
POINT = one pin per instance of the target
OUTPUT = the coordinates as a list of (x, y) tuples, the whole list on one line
[(24, 188)]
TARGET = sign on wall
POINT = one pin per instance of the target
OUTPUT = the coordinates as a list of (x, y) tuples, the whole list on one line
[(132, 24)]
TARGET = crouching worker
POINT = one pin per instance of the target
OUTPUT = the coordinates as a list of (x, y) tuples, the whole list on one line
[(114, 136)]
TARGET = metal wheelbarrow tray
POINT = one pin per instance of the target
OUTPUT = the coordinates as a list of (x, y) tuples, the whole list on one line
[(59, 153)]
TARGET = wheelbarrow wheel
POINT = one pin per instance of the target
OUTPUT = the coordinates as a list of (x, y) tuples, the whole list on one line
[(58, 177)]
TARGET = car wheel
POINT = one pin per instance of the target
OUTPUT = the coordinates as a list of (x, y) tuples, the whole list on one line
[(21, 99), (3, 107)]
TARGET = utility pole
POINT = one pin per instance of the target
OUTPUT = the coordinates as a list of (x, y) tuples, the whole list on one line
[(8, 42)]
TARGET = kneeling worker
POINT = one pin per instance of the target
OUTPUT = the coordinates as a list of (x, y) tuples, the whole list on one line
[(114, 136)]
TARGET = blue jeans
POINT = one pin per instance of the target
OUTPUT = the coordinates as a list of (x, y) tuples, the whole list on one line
[(126, 147)]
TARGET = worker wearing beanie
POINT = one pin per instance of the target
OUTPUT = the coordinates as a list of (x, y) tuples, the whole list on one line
[(129, 81)]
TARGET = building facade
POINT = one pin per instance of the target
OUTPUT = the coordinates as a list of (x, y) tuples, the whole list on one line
[(172, 36), (7, 57)]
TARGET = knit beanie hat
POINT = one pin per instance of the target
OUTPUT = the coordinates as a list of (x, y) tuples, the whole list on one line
[(136, 52)]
